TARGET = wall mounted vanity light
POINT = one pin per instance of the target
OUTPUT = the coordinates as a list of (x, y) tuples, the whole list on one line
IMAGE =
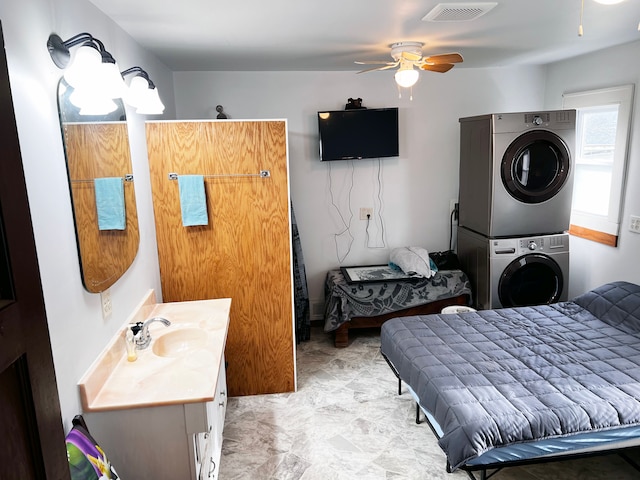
[(142, 93), (96, 78)]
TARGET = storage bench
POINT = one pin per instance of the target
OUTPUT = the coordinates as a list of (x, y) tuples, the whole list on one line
[(370, 304)]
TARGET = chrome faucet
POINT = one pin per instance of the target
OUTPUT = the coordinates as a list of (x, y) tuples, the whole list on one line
[(141, 333)]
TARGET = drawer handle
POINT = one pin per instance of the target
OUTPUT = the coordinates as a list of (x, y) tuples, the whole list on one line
[(221, 404), (212, 468)]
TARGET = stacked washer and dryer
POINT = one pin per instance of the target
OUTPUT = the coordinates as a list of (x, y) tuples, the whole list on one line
[(516, 182)]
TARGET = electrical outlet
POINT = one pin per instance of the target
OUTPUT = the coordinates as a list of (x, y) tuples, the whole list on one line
[(107, 307), (366, 213), (634, 224)]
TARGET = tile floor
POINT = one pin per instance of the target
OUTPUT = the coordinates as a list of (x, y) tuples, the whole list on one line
[(346, 421)]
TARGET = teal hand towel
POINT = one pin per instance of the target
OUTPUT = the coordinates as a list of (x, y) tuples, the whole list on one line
[(109, 193), (193, 201)]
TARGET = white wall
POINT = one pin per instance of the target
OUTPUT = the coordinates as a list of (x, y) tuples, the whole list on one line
[(593, 264), (416, 187), (78, 332)]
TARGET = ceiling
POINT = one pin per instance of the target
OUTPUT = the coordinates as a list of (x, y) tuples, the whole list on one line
[(329, 35)]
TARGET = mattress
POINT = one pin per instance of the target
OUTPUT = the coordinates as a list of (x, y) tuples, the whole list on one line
[(498, 378)]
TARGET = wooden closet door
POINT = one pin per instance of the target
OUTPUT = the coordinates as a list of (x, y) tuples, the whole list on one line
[(30, 419), (245, 251)]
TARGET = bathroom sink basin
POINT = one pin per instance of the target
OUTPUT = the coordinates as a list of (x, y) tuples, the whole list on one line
[(179, 342)]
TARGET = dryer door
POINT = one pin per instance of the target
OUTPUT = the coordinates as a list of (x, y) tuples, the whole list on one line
[(533, 279), (535, 167)]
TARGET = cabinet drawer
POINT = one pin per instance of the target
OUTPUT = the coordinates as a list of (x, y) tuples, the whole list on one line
[(208, 466)]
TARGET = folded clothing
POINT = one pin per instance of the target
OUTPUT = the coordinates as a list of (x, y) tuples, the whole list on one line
[(432, 265), (109, 192), (193, 201), (414, 261)]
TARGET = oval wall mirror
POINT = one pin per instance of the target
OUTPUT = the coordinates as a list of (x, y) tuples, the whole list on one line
[(102, 194)]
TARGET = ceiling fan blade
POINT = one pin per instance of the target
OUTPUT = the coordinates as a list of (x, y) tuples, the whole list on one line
[(438, 67), (411, 56), (384, 67), (444, 58)]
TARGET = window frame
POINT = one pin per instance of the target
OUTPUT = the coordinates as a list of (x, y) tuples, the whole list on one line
[(604, 228)]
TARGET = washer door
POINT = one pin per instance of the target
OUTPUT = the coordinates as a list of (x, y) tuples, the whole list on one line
[(535, 167), (533, 279)]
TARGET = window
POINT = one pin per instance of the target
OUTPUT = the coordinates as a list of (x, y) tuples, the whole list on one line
[(600, 157)]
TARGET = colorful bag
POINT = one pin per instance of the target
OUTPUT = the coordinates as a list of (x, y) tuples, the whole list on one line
[(87, 461)]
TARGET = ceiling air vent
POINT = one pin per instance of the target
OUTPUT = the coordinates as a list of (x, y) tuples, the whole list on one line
[(458, 12)]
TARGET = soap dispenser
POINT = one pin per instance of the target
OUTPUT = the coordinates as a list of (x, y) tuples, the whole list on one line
[(132, 354)]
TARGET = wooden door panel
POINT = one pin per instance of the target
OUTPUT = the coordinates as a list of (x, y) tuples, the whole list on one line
[(244, 252), (22, 459), (30, 422)]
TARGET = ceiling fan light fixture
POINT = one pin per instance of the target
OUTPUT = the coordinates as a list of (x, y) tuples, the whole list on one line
[(407, 77)]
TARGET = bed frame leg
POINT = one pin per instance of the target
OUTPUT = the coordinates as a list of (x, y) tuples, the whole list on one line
[(629, 460), (393, 369), (418, 421), (341, 339), (483, 475)]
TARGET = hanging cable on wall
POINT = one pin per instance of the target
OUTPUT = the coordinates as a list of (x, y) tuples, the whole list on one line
[(346, 225), (378, 210)]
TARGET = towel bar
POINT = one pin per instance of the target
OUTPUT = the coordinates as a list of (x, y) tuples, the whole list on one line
[(262, 174), (127, 178)]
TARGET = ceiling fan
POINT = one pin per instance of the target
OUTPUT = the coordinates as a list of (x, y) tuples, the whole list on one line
[(407, 55)]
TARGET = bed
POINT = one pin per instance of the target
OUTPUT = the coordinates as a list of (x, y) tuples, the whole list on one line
[(529, 384), (370, 304)]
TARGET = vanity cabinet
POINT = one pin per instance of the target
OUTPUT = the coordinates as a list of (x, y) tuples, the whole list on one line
[(162, 416), (172, 441)]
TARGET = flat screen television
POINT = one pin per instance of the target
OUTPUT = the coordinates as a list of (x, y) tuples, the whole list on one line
[(358, 133)]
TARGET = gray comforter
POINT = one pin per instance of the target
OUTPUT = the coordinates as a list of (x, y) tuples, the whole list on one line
[(496, 377)]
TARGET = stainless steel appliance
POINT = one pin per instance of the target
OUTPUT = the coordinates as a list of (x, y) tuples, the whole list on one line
[(515, 272), (516, 172)]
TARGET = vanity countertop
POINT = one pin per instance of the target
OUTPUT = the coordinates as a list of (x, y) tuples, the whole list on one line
[(113, 383)]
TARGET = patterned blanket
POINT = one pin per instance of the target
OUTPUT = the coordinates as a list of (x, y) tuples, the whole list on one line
[(344, 301)]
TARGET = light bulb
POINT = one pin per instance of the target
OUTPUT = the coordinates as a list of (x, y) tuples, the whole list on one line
[(83, 69), (92, 102), (137, 90), (407, 77), (152, 104), (609, 2), (110, 81)]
